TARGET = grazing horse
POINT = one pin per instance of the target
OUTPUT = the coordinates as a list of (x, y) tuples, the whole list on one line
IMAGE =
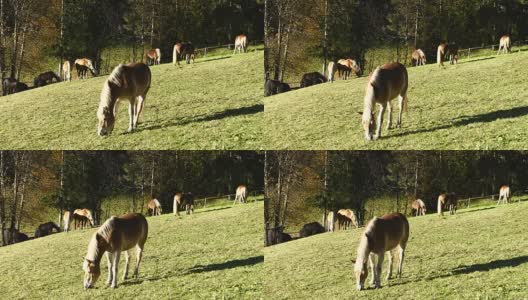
[(46, 229), (183, 199), (313, 78), (45, 79), (274, 87), (448, 201), (330, 221), (154, 207), (441, 53), (277, 236), (504, 44), (241, 194), (418, 57), (66, 71), (154, 57), (504, 194), (419, 206), (385, 83), (381, 235), (14, 236), (127, 82), (183, 50), (82, 65), (346, 66), (67, 219), (452, 53), (241, 43), (332, 70), (83, 217), (311, 229), (117, 234), (8, 86), (348, 220)]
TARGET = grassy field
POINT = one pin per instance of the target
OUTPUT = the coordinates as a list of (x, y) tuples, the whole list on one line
[(213, 104), (480, 103), (213, 254), (480, 253)]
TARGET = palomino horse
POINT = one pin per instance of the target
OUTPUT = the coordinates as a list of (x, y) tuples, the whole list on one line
[(332, 70), (154, 207), (82, 65), (448, 201), (419, 207), (66, 71), (183, 199), (349, 66), (385, 83), (330, 221), (183, 50), (45, 79), (117, 234), (504, 44), (381, 235), (418, 57), (83, 217), (154, 57), (348, 220), (46, 229), (67, 218), (441, 53), (127, 82), (452, 53), (241, 43), (241, 194), (504, 194)]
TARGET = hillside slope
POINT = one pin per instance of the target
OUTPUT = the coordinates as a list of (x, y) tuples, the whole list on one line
[(477, 254), (213, 104), (213, 254), (478, 104)]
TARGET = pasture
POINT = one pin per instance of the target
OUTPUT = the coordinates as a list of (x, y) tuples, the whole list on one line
[(479, 253), (478, 104), (215, 103), (214, 254)]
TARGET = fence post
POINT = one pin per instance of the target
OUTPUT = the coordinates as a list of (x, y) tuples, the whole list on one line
[(205, 202), (469, 52), (469, 201), (205, 52)]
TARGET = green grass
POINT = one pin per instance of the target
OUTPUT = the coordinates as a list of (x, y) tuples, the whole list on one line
[(479, 104), (479, 253), (213, 104), (213, 254)]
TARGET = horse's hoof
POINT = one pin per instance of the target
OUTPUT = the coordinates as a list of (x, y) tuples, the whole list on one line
[(376, 137)]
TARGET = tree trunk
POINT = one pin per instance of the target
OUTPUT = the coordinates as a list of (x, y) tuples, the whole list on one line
[(2, 198)]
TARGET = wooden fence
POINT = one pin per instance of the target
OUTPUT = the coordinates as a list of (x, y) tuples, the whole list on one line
[(202, 202), (467, 52), (230, 47)]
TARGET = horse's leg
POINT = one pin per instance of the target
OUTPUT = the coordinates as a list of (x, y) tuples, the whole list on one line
[(401, 103), (380, 120), (115, 269), (389, 272), (140, 103), (400, 263), (131, 114), (127, 260), (372, 270), (109, 260), (378, 269), (389, 115), (139, 252)]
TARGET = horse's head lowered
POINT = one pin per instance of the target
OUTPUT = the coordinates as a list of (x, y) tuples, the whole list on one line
[(92, 271), (361, 272), (369, 124), (106, 123)]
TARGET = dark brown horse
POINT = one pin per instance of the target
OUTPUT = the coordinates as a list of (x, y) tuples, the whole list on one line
[(46, 229), (182, 50), (12, 86), (45, 79)]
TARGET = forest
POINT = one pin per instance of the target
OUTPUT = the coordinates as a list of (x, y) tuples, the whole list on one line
[(304, 186), (303, 35), (36, 35), (38, 186)]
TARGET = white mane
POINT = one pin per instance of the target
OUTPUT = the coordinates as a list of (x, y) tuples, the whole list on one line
[(364, 248), (94, 250)]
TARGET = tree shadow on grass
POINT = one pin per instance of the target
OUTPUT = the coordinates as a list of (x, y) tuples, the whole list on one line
[(471, 210), (212, 59), (496, 264), (228, 113), (227, 265), (475, 60), (512, 113)]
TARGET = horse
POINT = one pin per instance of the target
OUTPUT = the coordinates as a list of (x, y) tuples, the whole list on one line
[(83, 216), (154, 57), (154, 207), (14, 236), (313, 78), (332, 70), (419, 206), (67, 218), (127, 82), (504, 44), (46, 78), (82, 65), (183, 199), (330, 221), (66, 71), (452, 53), (418, 58), (241, 194), (350, 218), (346, 66), (384, 84), (274, 87), (8, 86), (504, 194), (381, 235), (448, 200), (277, 236), (117, 234), (311, 229), (241, 43), (183, 50), (46, 229), (441, 53)]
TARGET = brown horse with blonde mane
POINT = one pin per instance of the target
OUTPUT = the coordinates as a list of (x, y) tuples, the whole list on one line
[(346, 218), (241, 194), (154, 57), (66, 71), (154, 207), (381, 235), (504, 44), (83, 217), (419, 207), (386, 83), (346, 66), (183, 50), (448, 201), (117, 234), (418, 58), (241, 43), (129, 83), (183, 199), (82, 65), (504, 194)]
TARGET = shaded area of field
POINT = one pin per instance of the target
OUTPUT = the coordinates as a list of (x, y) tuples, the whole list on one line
[(478, 104), (213, 254), (213, 104), (466, 256)]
